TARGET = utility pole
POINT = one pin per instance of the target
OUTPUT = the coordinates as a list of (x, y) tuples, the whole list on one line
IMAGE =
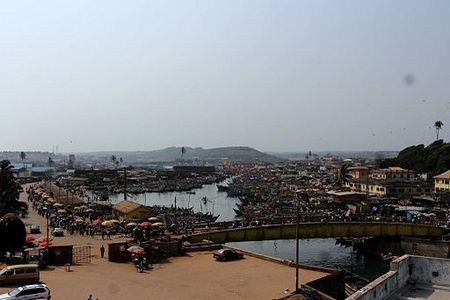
[(125, 183), (175, 211), (48, 230)]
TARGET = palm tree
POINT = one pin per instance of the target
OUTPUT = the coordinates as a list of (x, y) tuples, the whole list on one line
[(10, 191), (22, 157), (343, 175), (438, 125)]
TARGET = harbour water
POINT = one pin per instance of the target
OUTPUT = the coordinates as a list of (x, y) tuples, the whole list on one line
[(218, 202), (319, 252)]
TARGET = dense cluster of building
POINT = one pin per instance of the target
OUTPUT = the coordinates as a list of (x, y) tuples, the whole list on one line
[(335, 190)]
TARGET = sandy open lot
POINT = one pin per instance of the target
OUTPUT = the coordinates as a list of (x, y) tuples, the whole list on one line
[(194, 276)]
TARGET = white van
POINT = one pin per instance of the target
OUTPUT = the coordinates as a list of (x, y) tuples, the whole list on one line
[(20, 273)]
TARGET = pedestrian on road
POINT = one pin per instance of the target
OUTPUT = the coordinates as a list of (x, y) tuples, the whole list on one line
[(102, 251), (90, 297)]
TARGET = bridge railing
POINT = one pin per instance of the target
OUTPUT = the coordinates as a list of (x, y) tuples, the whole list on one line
[(318, 230)]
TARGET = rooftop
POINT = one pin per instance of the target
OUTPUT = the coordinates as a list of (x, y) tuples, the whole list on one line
[(126, 206), (445, 175), (429, 292)]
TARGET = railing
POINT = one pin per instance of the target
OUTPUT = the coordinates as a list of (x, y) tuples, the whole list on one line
[(318, 230)]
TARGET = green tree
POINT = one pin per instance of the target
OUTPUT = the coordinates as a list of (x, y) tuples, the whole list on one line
[(438, 125), (10, 191)]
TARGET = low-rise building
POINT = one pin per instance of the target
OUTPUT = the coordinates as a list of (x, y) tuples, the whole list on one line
[(442, 182), (128, 210), (410, 277), (391, 188), (358, 172), (393, 173)]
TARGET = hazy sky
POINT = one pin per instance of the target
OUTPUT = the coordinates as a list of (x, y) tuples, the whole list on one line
[(275, 75)]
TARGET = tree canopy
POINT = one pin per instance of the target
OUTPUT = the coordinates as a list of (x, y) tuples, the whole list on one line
[(434, 158), (10, 191)]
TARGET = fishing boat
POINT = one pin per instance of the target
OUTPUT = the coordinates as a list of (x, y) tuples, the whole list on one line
[(222, 188)]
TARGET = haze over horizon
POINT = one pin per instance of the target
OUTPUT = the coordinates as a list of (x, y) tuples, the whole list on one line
[(273, 75)]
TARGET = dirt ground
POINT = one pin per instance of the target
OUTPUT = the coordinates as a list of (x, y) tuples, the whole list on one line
[(194, 276)]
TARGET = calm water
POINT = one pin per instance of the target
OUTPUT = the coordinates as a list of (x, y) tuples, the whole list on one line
[(219, 202), (319, 252)]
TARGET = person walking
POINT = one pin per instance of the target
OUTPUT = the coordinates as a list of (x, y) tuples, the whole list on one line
[(102, 251), (90, 297)]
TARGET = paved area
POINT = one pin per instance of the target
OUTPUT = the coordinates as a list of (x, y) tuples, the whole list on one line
[(422, 292)]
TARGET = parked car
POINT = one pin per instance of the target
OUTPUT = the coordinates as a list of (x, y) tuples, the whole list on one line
[(20, 273), (32, 291), (35, 229), (227, 254), (58, 232)]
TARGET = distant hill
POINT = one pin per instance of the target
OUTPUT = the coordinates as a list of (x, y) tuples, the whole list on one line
[(435, 158), (174, 153)]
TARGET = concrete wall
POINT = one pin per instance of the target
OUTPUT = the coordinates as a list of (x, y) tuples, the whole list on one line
[(431, 270), (387, 284), (332, 285), (426, 247), (423, 270)]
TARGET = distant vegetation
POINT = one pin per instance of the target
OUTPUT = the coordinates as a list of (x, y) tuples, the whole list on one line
[(435, 158)]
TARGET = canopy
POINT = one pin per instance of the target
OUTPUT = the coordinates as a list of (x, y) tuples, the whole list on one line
[(154, 219), (44, 239), (62, 211), (133, 248), (108, 223), (97, 222), (145, 224), (30, 238), (58, 205), (138, 251), (157, 224), (132, 224)]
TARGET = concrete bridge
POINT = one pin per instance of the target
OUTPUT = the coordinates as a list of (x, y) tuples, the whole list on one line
[(318, 230)]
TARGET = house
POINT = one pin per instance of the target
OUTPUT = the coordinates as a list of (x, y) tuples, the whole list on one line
[(127, 210), (442, 182), (393, 173), (358, 172)]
